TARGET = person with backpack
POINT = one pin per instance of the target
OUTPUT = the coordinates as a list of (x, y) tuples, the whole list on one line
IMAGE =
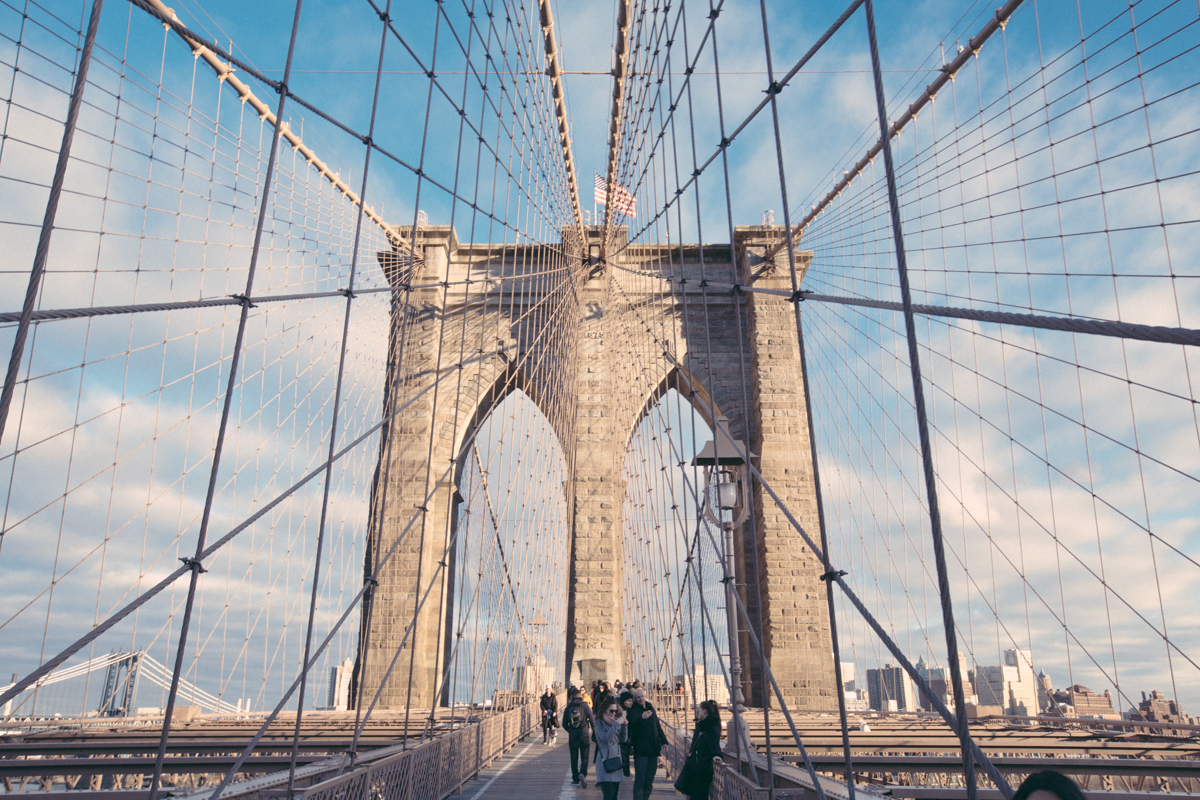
[(578, 722)]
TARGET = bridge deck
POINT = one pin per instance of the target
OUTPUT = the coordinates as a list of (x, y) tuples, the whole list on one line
[(534, 771)]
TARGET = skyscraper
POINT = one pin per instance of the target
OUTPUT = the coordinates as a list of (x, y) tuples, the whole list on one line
[(339, 686), (1012, 686), (890, 689)]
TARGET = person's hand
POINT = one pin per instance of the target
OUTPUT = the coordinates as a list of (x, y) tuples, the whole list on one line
[(624, 720), (647, 714)]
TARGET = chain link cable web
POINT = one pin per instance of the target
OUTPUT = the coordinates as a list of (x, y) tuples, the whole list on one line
[(297, 403)]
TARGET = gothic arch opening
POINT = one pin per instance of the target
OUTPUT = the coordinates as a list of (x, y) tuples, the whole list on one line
[(508, 568), (673, 604)]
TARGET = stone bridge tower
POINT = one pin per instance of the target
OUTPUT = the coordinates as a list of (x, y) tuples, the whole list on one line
[(733, 353)]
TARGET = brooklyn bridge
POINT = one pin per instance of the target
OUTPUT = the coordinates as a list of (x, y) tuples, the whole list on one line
[(348, 419)]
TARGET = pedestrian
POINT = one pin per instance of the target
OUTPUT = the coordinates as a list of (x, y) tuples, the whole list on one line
[(610, 731), (578, 722), (626, 699), (647, 739), (599, 694), (697, 774), (549, 703)]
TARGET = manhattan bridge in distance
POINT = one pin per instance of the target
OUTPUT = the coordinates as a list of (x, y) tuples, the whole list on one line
[(345, 412)]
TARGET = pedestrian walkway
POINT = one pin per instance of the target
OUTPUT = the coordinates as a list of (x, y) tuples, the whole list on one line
[(535, 771)]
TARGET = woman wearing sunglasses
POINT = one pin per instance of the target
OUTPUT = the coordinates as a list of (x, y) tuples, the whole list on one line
[(610, 731)]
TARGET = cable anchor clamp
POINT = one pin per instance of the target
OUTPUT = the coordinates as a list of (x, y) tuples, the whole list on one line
[(798, 296), (194, 565), (833, 574), (244, 300), (348, 293)]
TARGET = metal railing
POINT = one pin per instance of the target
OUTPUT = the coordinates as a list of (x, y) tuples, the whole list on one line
[(730, 784), (435, 769)]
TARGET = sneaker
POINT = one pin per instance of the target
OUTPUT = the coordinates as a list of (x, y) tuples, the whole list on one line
[(583, 782)]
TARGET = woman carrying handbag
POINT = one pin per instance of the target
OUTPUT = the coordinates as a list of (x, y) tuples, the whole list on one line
[(609, 731), (697, 774)]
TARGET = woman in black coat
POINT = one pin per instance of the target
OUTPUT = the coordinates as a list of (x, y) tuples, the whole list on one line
[(697, 773)]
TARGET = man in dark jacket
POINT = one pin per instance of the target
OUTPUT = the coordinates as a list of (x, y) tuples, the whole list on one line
[(549, 703), (578, 720), (647, 737)]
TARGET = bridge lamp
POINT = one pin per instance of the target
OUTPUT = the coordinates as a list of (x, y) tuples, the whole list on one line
[(726, 495), (724, 478)]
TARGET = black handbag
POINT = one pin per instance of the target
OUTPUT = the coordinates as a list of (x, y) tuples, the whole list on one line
[(689, 778), (612, 764)]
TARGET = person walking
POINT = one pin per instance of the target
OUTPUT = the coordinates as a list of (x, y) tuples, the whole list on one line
[(697, 774), (610, 731), (549, 703), (647, 739), (578, 722), (626, 700)]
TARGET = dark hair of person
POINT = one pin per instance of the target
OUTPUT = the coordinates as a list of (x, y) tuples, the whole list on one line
[(575, 691), (612, 703), (714, 711), (1049, 781)]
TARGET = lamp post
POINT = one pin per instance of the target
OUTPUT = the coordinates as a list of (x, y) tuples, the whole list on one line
[(725, 504)]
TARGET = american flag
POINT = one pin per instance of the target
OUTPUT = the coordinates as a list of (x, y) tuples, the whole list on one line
[(622, 201)]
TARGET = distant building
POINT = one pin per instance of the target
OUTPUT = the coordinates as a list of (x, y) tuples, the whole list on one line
[(1044, 689), (942, 686), (848, 677), (534, 675), (1011, 686), (855, 698), (1158, 708), (708, 687), (890, 689), (1085, 703), (339, 686)]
